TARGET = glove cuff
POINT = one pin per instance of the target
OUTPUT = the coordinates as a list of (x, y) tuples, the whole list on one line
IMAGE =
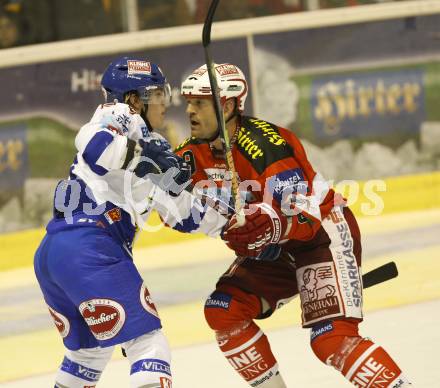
[(279, 224)]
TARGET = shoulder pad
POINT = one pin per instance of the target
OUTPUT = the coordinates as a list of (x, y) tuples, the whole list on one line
[(119, 117), (190, 140), (261, 143)]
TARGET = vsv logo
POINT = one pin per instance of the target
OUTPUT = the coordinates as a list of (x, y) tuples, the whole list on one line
[(151, 365), (80, 371), (89, 374)]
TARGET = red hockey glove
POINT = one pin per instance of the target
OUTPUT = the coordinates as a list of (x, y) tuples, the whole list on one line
[(263, 225)]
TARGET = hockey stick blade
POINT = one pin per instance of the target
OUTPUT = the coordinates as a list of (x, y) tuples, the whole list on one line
[(206, 35), (380, 274)]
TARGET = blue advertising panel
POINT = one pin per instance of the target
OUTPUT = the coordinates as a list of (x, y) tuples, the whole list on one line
[(13, 157), (365, 104), (47, 103), (69, 91)]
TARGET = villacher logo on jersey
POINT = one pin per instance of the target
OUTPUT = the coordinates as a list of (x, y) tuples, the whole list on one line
[(61, 322), (147, 301), (105, 317)]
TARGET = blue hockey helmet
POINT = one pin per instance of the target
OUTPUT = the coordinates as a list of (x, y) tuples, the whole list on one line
[(133, 75)]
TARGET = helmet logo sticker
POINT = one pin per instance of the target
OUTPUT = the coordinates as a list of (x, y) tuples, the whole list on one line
[(139, 67), (231, 83), (226, 69), (200, 71)]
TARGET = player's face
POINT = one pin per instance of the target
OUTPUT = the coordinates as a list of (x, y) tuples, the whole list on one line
[(156, 108), (202, 117)]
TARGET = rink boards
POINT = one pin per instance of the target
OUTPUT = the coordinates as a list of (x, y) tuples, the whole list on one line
[(191, 269)]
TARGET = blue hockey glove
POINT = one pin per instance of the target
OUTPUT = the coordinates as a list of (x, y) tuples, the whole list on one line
[(167, 170), (156, 157)]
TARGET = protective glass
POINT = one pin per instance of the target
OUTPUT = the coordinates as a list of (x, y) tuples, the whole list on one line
[(156, 94)]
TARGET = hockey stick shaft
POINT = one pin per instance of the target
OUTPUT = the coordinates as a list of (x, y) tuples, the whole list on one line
[(206, 40), (376, 276), (380, 274)]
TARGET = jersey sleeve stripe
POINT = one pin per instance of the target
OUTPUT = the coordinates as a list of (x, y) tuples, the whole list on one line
[(94, 149)]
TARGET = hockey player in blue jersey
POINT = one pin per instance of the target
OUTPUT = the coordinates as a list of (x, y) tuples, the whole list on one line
[(84, 265)]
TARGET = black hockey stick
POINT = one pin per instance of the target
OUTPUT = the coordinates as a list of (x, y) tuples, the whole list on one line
[(380, 274), (206, 40)]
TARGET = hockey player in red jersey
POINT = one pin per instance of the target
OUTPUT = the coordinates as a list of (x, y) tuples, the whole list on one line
[(318, 257)]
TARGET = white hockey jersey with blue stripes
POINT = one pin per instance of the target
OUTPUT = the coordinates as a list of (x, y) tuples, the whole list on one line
[(102, 189)]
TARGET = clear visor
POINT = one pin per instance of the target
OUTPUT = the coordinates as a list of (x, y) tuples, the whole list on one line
[(156, 94)]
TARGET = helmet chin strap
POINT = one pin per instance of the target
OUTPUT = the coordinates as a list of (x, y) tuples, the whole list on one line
[(214, 137), (144, 116), (217, 132), (143, 113)]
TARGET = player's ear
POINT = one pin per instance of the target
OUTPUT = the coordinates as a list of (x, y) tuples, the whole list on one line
[(132, 99), (229, 106)]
